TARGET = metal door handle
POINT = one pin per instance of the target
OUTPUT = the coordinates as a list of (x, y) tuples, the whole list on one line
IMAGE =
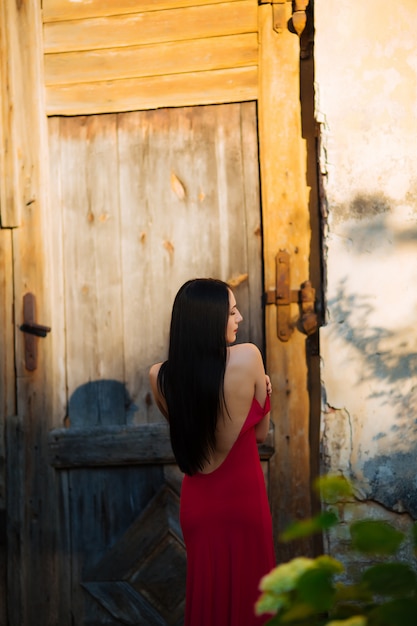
[(32, 330)]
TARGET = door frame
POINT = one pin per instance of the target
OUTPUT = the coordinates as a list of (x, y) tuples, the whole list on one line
[(286, 203)]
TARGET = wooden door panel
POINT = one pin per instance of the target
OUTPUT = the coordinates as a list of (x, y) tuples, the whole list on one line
[(147, 200), (127, 555), (145, 568)]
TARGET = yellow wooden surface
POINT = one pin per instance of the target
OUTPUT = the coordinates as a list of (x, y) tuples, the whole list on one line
[(176, 54), (150, 27), (286, 226), (194, 88), (152, 60), (12, 164), (54, 10)]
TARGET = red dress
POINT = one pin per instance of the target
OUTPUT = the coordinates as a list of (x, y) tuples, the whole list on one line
[(227, 528)]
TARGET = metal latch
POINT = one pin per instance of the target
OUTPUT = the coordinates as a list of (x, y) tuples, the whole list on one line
[(283, 296), (32, 330)]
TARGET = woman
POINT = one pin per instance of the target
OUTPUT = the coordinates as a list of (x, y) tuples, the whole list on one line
[(215, 398)]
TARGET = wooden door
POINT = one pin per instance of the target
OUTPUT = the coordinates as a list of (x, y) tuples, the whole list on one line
[(144, 201)]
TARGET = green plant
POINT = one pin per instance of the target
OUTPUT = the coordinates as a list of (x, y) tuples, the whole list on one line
[(309, 592)]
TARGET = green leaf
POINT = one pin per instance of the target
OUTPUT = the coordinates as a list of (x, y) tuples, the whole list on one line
[(375, 537), (352, 593), (356, 620), (329, 564), (270, 603), (400, 612), (333, 488), (315, 589), (390, 579), (284, 577), (307, 527), (299, 613)]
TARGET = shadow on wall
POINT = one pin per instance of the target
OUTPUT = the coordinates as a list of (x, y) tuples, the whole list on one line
[(392, 481), (369, 228), (388, 360), (100, 402), (391, 478), (393, 366)]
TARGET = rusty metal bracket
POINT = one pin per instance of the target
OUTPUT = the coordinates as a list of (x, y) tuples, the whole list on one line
[(280, 13), (288, 12), (283, 296), (32, 331), (299, 16)]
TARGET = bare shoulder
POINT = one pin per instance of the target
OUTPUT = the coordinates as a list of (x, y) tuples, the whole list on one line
[(154, 371), (153, 378), (244, 378), (245, 353), (245, 360)]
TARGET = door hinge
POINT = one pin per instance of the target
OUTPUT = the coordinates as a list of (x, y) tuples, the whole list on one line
[(32, 331), (283, 296)]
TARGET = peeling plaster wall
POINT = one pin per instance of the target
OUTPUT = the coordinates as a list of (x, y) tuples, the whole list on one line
[(366, 103)]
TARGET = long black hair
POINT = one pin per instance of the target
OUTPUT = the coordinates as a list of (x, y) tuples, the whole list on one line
[(191, 380)]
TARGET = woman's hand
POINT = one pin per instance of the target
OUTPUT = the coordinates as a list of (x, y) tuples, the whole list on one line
[(268, 385)]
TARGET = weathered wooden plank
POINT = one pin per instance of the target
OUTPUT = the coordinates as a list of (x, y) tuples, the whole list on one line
[(32, 557), (12, 160), (114, 446), (155, 26), (152, 60), (58, 392), (252, 212), (286, 226), (56, 10), (93, 304), (195, 88), (64, 545), (122, 602), (110, 445)]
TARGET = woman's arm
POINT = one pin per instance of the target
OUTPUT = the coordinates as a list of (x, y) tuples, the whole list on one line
[(262, 428), (263, 388), (159, 399)]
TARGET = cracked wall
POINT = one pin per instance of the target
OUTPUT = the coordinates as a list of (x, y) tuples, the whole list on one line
[(366, 105)]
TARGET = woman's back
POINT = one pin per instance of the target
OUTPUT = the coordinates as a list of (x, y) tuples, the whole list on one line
[(244, 380)]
